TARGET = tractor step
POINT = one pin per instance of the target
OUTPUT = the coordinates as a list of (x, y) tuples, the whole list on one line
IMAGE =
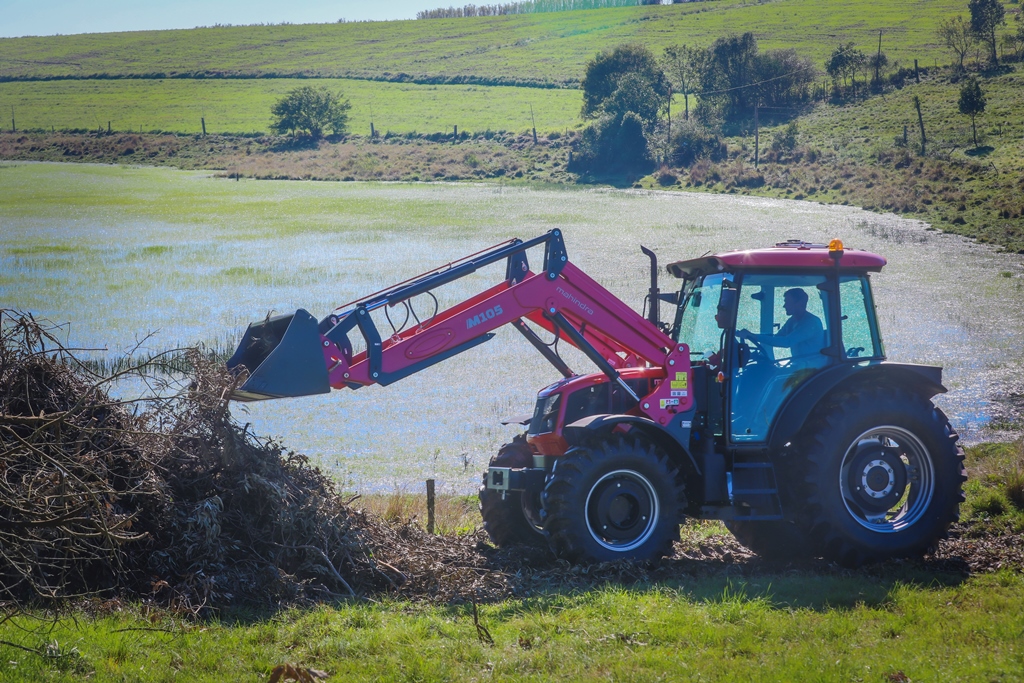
[(755, 492)]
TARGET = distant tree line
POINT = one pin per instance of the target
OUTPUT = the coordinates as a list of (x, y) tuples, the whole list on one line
[(529, 7), (627, 93)]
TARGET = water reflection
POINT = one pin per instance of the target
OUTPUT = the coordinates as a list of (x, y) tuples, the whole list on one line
[(941, 299)]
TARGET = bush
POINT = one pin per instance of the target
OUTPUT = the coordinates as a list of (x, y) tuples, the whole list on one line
[(695, 141), (611, 145), (785, 140)]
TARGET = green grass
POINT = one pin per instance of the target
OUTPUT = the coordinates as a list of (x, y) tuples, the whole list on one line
[(785, 627), (243, 106), (548, 47)]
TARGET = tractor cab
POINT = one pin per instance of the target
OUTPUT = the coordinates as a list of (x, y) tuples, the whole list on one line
[(765, 321)]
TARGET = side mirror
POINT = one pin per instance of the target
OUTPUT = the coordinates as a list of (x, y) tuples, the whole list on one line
[(727, 305)]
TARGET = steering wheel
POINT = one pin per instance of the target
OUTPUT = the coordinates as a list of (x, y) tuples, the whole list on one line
[(758, 353)]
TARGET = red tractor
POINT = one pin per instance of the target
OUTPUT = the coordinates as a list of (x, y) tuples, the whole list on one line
[(764, 400)]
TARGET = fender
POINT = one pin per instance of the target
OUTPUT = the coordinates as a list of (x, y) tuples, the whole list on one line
[(925, 380), (578, 431)]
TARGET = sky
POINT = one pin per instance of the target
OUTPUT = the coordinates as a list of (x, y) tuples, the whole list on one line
[(48, 17)]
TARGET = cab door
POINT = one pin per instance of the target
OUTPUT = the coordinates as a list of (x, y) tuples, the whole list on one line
[(702, 324), (782, 329)]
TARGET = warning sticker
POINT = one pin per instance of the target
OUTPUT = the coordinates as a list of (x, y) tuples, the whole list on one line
[(666, 402), (680, 381), (677, 394)]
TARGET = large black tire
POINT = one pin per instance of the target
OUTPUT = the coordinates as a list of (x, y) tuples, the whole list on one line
[(620, 499), (509, 521), (883, 477)]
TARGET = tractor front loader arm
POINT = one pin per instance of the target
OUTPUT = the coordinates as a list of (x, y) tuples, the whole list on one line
[(315, 357)]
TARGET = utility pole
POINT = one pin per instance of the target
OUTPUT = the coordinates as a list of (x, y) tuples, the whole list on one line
[(757, 134), (878, 58), (534, 121), (14, 129)]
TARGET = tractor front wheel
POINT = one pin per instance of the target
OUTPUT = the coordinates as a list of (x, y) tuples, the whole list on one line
[(619, 499), (883, 477), (514, 519)]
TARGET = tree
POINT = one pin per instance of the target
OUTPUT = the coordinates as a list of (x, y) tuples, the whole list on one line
[(972, 103), (634, 93), (1015, 41), (844, 62), (986, 17), (601, 78), (310, 110), (957, 36), (682, 63), (624, 90)]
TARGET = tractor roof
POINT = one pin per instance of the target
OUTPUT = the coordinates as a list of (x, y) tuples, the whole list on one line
[(791, 255)]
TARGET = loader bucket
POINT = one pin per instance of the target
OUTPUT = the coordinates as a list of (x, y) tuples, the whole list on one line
[(284, 359)]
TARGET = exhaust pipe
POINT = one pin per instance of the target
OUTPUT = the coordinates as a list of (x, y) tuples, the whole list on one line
[(284, 358)]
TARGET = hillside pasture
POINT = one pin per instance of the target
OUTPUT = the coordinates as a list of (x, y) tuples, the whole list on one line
[(243, 105), (548, 48)]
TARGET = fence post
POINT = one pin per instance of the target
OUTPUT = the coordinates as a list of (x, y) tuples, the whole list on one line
[(202, 120), (430, 506)]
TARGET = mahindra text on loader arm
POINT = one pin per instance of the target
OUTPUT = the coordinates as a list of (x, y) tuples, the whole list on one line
[(764, 399)]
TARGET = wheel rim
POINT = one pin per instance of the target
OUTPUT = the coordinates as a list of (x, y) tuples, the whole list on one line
[(887, 479), (530, 505), (622, 510)]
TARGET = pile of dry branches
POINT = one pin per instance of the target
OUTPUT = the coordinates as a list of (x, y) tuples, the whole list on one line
[(163, 496)]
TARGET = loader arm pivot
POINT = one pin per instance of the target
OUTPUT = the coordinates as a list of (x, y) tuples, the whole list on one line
[(559, 297)]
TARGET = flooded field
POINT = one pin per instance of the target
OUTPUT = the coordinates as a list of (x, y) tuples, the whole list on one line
[(167, 258)]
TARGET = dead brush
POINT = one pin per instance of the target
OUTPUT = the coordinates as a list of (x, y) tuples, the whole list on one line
[(163, 497)]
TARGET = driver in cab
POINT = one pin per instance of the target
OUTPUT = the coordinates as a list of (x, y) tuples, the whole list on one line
[(803, 333)]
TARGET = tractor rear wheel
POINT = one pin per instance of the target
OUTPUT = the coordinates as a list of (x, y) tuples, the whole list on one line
[(614, 500), (514, 519), (883, 477)]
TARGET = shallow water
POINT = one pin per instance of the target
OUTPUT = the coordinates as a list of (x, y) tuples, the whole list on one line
[(123, 253)]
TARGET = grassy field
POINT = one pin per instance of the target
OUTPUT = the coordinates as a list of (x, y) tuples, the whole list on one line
[(790, 626), (535, 48), (243, 106)]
